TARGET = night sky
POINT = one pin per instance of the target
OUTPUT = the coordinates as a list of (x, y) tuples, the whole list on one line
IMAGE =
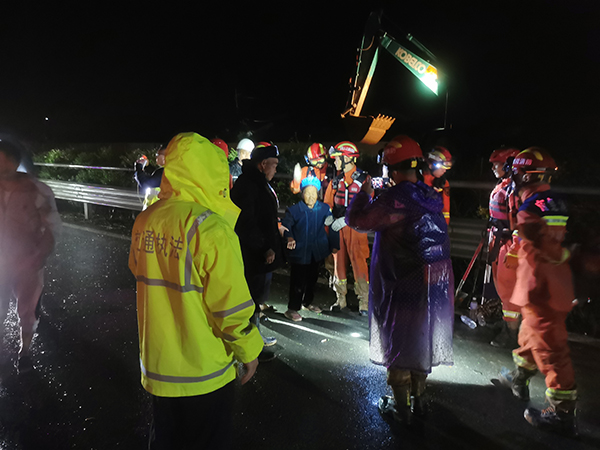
[(519, 73)]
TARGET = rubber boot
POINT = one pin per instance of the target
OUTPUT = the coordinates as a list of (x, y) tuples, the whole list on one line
[(418, 406), (361, 288), (341, 289), (398, 406), (517, 380), (24, 362), (507, 338), (560, 417)]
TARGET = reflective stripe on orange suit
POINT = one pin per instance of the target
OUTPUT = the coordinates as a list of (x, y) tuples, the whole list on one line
[(544, 288)]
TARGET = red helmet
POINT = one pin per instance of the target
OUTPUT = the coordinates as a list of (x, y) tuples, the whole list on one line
[(502, 154), (316, 153), (440, 156), (534, 160), (222, 145), (401, 148), (345, 148)]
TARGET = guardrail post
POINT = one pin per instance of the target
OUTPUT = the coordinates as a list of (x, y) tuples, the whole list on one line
[(86, 211)]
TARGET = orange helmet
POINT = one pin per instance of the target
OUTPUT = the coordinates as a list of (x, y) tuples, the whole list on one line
[(401, 148), (315, 154), (345, 148), (222, 145), (440, 157), (502, 154), (534, 160)]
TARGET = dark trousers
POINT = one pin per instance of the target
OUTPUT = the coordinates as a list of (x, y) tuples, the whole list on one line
[(260, 286), (198, 422), (303, 278)]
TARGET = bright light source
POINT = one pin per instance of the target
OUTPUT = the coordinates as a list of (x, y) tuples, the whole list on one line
[(355, 335), (46, 118)]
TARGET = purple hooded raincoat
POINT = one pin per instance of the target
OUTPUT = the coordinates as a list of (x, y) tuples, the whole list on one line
[(411, 294)]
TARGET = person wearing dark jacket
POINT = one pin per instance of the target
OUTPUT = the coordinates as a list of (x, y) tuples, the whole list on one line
[(150, 183), (257, 225), (309, 244)]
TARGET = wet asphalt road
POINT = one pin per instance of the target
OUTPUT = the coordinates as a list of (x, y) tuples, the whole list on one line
[(320, 393)]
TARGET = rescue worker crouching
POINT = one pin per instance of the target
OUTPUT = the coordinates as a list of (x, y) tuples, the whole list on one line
[(544, 291), (353, 244), (193, 303)]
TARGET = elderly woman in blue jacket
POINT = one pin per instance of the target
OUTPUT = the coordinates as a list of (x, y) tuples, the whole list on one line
[(309, 244)]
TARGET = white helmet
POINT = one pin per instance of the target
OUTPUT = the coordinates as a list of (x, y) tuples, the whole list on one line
[(246, 144)]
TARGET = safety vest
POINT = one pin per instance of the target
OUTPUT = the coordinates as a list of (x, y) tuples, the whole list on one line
[(344, 193), (499, 200), (188, 337)]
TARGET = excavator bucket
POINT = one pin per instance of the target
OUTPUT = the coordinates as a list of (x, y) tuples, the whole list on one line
[(377, 129)]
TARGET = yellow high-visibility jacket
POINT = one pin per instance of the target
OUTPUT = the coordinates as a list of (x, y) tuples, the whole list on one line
[(193, 304)]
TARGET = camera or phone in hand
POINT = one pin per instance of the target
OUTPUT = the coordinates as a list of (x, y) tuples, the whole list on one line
[(380, 182)]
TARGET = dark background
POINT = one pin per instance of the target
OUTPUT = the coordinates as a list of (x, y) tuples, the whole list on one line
[(519, 73)]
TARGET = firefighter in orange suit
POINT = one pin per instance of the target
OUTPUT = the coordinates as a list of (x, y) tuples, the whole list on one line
[(353, 245), (439, 161), (503, 220), (317, 167), (544, 291)]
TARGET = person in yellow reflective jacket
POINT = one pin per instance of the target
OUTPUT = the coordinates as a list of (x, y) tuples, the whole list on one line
[(193, 304)]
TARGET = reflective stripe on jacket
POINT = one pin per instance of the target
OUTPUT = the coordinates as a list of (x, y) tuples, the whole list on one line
[(544, 276), (193, 303)]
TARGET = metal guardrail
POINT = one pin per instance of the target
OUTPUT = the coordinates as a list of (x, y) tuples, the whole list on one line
[(113, 197), (465, 234)]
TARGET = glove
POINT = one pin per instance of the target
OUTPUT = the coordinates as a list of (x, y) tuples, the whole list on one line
[(338, 224), (360, 178), (328, 221), (297, 173)]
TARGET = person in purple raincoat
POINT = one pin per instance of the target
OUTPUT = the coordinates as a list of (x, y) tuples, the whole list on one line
[(411, 301)]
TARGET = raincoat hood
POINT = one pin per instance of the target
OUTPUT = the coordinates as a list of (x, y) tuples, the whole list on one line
[(197, 171)]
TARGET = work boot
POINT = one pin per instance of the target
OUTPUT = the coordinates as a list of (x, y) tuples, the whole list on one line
[(363, 307), (418, 405), (559, 418), (398, 406), (341, 289), (507, 338), (361, 288), (339, 304), (517, 380)]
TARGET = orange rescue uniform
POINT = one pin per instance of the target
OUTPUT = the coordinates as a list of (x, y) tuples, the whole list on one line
[(308, 171), (544, 290), (353, 245), (504, 277)]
